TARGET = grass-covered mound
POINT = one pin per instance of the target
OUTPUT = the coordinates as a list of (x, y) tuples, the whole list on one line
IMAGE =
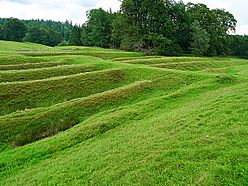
[(69, 117)]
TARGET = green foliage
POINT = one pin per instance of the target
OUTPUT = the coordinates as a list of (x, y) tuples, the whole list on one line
[(38, 31), (143, 23), (43, 36), (217, 23), (13, 29), (1, 32), (75, 36), (164, 27), (160, 45), (85, 36), (53, 38), (98, 28), (200, 40), (119, 32), (239, 45), (64, 28)]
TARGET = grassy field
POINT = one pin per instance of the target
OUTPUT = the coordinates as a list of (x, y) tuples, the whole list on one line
[(91, 116)]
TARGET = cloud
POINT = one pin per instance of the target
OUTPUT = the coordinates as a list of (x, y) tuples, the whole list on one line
[(20, 1), (59, 10), (242, 29)]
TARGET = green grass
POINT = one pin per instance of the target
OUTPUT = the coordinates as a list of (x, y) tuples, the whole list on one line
[(40, 93), (239, 71), (198, 65), (25, 66), (85, 51), (44, 73), (91, 116), (10, 46)]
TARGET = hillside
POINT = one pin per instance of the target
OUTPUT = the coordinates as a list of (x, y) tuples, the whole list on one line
[(92, 116), (9, 46)]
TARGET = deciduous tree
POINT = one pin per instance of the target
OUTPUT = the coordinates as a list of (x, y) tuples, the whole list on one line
[(14, 29)]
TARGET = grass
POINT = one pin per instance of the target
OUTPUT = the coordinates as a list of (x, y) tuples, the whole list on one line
[(40, 123), (10, 46), (238, 71), (48, 72), (85, 51), (107, 117), (40, 93), (198, 65)]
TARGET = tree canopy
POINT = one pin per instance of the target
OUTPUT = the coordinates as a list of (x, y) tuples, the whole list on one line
[(13, 29), (160, 27), (43, 36), (38, 31)]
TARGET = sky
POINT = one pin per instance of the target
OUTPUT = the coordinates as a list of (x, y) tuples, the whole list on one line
[(75, 10)]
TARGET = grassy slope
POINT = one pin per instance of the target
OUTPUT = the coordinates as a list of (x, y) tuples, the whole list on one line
[(9, 46), (154, 126)]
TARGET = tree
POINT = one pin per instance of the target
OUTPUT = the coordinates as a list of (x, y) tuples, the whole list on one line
[(44, 36), (1, 32), (239, 45), (52, 37), (160, 45), (217, 23), (85, 36), (35, 35), (124, 35), (226, 20), (150, 22), (64, 28), (182, 25), (14, 29), (99, 27), (118, 26), (200, 40), (75, 36)]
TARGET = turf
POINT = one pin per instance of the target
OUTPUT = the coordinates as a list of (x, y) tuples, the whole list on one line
[(92, 116), (10, 46)]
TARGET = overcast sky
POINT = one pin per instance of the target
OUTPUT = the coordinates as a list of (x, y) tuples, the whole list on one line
[(75, 10)]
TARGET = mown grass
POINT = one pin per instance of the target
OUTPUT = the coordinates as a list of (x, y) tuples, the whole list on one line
[(100, 54), (128, 123), (23, 60), (238, 71), (180, 60), (10, 46), (125, 59), (150, 60), (40, 123), (72, 112), (44, 73), (20, 59), (26, 66), (40, 93), (170, 140), (196, 66)]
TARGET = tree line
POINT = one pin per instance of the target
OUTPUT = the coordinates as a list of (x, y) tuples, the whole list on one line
[(156, 27), (45, 32)]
